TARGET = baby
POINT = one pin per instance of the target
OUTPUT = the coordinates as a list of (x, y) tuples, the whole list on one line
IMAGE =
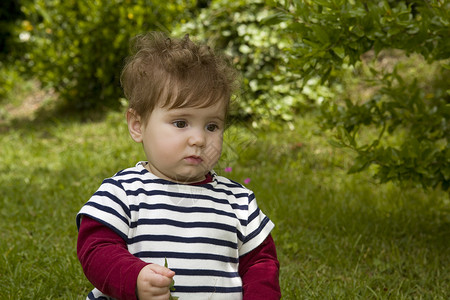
[(173, 207)]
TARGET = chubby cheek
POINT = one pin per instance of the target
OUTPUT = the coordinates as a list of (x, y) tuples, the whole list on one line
[(168, 147), (160, 147)]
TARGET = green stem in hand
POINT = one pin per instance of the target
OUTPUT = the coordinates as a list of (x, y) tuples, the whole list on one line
[(172, 288)]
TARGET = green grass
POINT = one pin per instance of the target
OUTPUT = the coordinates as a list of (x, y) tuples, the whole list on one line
[(338, 236)]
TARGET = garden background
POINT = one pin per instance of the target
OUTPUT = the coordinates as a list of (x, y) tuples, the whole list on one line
[(341, 128)]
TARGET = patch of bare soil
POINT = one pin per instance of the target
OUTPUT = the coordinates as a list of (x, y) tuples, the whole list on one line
[(27, 107)]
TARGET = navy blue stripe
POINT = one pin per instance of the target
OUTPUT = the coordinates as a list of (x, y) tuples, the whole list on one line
[(174, 223), (202, 272), (78, 220), (112, 197), (147, 181), (130, 171), (113, 182), (207, 289), (186, 210), (240, 236), (251, 197), (142, 172), (232, 184), (184, 195), (108, 210), (181, 209), (182, 255), (258, 230), (228, 192), (183, 240), (254, 215)]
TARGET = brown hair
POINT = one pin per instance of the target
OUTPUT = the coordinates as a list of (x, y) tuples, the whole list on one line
[(175, 73)]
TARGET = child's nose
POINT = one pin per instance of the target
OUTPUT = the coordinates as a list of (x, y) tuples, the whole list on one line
[(197, 138)]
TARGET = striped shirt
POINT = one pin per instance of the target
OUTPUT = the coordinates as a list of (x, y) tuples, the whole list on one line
[(201, 230)]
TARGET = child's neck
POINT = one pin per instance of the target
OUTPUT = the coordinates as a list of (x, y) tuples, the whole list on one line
[(208, 179)]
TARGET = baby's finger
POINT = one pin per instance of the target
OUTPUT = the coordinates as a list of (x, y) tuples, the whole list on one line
[(162, 270), (160, 281)]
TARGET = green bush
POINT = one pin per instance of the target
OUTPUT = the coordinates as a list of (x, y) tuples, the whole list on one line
[(331, 36), (9, 17), (78, 47), (408, 109), (270, 90), (293, 55)]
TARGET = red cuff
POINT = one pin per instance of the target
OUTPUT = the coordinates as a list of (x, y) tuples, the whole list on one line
[(106, 261), (259, 271)]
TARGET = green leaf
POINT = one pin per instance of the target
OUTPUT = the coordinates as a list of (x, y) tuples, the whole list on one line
[(172, 288), (321, 34), (276, 18), (361, 163), (335, 143), (446, 172), (339, 51)]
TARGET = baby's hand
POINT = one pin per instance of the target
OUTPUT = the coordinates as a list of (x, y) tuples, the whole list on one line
[(153, 282)]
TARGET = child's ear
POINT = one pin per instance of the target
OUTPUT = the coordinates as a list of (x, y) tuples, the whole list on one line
[(134, 125)]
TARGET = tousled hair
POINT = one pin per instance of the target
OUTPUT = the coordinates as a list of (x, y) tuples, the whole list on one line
[(175, 73)]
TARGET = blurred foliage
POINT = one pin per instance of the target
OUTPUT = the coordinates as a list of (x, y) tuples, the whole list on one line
[(294, 55), (330, 37), (9, 16), (78, 47), (270, 89), (6, 81), (407, 103), (298, 54), (329, 34)]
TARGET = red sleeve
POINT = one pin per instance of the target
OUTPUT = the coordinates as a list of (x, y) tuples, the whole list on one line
[(106, 261), (259, 271)]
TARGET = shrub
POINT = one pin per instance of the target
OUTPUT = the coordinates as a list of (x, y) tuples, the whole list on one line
[(271, 91), (331, 36), (78, 47), (9, 17)]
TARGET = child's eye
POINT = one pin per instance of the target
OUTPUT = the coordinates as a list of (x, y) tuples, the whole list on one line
[(212, 127), (179, 124)]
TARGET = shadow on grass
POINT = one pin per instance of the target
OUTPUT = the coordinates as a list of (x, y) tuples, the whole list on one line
[(46, 112)]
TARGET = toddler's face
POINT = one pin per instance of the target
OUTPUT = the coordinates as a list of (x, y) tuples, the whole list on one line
[(183, 144)]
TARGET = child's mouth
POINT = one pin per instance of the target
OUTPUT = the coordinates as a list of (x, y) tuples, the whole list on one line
[(195, 160)]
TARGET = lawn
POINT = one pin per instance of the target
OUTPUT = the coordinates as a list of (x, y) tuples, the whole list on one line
[(338, 236)]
